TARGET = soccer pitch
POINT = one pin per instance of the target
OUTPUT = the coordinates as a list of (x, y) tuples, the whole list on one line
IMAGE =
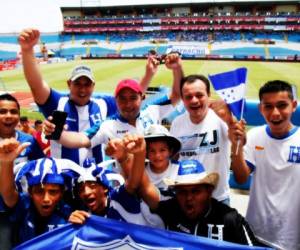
[(109, 71)]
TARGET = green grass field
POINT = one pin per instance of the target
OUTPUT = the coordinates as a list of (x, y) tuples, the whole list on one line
[(109, 72)]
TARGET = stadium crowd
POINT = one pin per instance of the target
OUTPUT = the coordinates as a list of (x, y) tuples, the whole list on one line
[(175, 180)]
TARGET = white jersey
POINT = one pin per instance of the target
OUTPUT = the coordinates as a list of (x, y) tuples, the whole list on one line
[(117, 127), (208, 143), (274, 205), (157, 179)]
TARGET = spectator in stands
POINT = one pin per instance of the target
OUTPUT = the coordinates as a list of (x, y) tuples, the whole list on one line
[(9, 119), (41, 138), (25, 126), (272, 153), (40, 210), (203, 134), (96, 194), (130, 117), (83, 111), (193, 210)]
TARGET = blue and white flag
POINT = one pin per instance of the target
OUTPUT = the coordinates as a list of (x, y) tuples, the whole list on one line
[(231, 87), (102, 233)]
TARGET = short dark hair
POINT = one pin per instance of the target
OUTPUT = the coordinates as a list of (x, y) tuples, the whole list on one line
[(9, 97), (275, 86), (37, 122), (23, 119), (192, 78)]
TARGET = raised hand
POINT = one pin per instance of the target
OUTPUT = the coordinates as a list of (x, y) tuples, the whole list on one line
[(220, 107), (173, 61), (79, 217), (237, 132), (10, 149), (134, 144), (115, 148), (28, 38)]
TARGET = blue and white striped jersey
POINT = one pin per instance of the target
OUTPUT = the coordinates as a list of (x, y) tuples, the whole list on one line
[(79, 119)]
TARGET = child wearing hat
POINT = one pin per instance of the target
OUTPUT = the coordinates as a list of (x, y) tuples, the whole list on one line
[(161, 147), (41, 209)]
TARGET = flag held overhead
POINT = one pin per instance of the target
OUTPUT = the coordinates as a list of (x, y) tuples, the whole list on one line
[(231, 86)]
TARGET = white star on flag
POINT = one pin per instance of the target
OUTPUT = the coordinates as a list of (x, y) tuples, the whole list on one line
[(234, 94)]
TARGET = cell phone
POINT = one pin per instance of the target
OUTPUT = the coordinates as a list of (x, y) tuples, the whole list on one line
[(59, 119)]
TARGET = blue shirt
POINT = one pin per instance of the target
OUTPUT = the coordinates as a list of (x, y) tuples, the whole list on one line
[(79, 119), (26, 217)]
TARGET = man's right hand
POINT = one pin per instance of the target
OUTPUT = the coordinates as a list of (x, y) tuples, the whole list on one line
[(28, 38), (10, 149)]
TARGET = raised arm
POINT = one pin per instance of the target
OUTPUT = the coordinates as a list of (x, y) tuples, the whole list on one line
[(237, 136), (138, 180), (28, 38), (173, 62), (151, 69), (136, 146), (9, 150)]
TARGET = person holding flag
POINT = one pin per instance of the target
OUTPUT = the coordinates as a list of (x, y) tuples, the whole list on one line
[(272, 153), (202, 133)]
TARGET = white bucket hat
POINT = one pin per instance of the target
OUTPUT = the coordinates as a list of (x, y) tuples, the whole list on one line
[(157, 131)]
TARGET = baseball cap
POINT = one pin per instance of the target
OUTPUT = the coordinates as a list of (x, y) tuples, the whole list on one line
[(192, 172), (128, 83), (82, 70), (159, 132)]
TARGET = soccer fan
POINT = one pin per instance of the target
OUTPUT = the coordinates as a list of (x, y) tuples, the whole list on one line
[(130, 117), (93, 188), (41, 138), (9, 119), (192, 210), (83, 110), (272, 153), (25, 126), (161, 147), (202, 133), (40, 210)]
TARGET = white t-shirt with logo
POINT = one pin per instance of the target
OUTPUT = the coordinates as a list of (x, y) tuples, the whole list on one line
[(208, 143)]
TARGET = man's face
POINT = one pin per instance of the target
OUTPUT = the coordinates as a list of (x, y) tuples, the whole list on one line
[(195, 99), (45, 197), (94, 196), (129, 104), (193, 199), (277, 109), (158, 154), (81, 90), (9, 118)]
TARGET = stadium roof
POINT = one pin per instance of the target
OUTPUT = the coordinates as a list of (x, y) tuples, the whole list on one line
[(109, 3)]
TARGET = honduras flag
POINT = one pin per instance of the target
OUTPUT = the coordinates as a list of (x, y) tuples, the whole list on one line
[(100, 233), (231, 86)]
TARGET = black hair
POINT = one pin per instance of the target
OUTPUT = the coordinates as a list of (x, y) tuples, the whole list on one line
[(9, 97), (160, 139), (192, 78), (274, 87), (23, 119), (37, 122)]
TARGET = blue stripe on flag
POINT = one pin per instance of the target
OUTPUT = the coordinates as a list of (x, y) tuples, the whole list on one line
[(228, 79)]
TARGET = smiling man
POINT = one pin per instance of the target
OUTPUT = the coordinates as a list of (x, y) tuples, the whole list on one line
[(83, 110), (272, 153), (202, 133)]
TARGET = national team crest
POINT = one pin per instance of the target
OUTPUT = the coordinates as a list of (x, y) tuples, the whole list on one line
[(120, 244)]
